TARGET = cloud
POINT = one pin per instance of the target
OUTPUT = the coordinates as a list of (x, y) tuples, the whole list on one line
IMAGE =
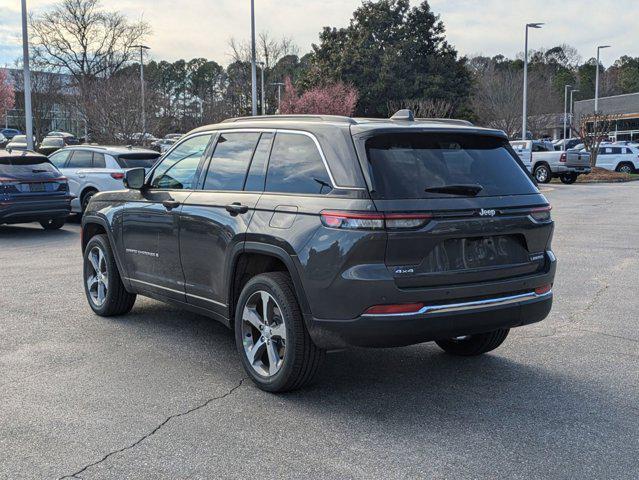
[(202, 28)]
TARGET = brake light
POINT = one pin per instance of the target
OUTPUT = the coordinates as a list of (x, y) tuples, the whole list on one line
[(543, 289), (563, 157), (117, 176), (373, 220), (541, 214), (394, 309)]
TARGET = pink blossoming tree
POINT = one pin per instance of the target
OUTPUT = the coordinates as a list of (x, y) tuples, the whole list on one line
[(331, 99)]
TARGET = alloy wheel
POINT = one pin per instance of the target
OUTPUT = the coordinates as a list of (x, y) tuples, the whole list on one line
[(263, 334), (625, 169), (97, 276), (541, 174)]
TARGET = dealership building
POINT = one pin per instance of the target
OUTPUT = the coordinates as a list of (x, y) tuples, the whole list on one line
[(626, 107)]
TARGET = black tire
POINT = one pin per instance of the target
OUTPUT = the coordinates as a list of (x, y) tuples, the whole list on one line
[(302, 358), (472, 345), (542, 173), (53, 223), (625, 168), (568, 178), (117, 300), (86, 197)]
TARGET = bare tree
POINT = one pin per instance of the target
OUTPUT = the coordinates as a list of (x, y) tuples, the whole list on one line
[(594, 129), (424, 107), (79, 37), (268, 49)]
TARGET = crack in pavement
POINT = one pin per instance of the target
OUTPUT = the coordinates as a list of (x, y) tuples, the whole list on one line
[(153, 432)]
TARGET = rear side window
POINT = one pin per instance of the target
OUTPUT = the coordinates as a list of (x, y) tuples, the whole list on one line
[(408, 165), (231, 158), (137, 160), (98, 160), (296, 166), (257, 171), (81, 159)]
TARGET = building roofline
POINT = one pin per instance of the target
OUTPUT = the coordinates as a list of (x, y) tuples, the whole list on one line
[(610, 96)]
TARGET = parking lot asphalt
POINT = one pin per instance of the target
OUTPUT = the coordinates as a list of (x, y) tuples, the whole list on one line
[(160, 393)]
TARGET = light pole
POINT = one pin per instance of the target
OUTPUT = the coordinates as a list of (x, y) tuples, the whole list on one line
[(28, 114), (279, 95), (524, 127), (566, 87), (571, 103), (253, 67), (263, 94), (597, 78), (142, 48)]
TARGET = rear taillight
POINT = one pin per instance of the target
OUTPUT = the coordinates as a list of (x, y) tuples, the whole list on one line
[(541, 214), (563, 158), (373, 221), (117, 176), (398, 309), (8, 185)]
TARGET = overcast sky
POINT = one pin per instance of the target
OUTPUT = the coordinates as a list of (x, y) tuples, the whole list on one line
[(202, 28)]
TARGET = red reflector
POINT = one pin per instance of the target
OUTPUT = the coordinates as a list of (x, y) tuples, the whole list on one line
[(118, 176), (394, 309), (543, 289)]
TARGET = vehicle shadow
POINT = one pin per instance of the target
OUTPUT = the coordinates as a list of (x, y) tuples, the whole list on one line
[(19, 231)]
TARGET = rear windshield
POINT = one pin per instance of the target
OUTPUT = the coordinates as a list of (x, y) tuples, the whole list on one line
[(138, 160), (25, 166), (406, 165)]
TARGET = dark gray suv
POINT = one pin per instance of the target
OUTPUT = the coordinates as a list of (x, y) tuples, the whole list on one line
[(312, 233)]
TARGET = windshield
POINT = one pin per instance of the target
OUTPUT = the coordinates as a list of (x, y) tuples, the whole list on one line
[(138, 160), (441, 165)]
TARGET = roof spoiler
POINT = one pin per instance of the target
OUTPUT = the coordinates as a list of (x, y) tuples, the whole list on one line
[(408, 116)]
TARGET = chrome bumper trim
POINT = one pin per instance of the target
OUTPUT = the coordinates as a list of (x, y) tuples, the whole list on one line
[(464, 306)]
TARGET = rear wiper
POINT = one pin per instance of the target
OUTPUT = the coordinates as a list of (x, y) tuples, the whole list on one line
[(470, 189)]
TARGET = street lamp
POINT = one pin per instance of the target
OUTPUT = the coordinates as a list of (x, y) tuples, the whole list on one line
[(566, 87), (571, 103), (524, 127), (28, 114), (597, 78), (142, 48), (263, 96), (279, 95), (253, 67)]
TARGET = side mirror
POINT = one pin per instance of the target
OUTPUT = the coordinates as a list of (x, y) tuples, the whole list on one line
[(134, 178)]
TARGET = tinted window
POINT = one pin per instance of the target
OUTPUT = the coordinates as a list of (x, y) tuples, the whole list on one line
[(81, 159), (404, 165), (59, 158), (257, 172), (230, 161), (616, 150), (26, 166), (177, 170), (296, 166), (138, 160), (98, 160)]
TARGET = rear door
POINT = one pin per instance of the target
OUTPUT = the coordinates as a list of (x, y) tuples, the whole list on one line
[(458, 207), (214, 219)]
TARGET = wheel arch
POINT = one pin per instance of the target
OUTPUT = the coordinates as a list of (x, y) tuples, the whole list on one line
[(255, 258)]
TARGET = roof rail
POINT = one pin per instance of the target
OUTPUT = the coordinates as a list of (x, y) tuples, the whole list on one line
[(451, 121), (307, 118)]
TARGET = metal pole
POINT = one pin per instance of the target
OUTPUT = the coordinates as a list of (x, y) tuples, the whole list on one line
[(565, 111), (279, 95), (571, 105), (597, 83), (142, 93), (525, 106), (253, 67), (263, 93), (27, 78)]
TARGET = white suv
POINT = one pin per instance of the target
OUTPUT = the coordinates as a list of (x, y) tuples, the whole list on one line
[(618, 158), (91, 169)]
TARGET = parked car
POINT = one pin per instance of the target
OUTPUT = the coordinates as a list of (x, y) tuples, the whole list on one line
[(163, 144), (19, 142), (541, 158), (92, 169), (52, 143), (308, 233), (3, 141), (32, 190), (10, 132), (173, 136), (618, 158)]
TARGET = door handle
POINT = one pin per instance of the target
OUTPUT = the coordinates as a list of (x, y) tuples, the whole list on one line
[(170, 204), (236, 208)]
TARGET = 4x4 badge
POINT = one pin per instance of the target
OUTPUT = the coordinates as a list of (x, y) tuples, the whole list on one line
[(487, 213)]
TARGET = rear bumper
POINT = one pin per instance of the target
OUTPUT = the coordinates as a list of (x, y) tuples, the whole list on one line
[(561, 169), (432, 322), (24, 211)]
